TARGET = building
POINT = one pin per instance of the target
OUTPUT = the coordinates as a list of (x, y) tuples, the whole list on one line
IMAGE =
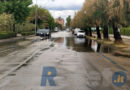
[(60, 21)]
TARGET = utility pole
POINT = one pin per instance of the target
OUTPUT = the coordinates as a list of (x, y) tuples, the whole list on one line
[(36, 17)]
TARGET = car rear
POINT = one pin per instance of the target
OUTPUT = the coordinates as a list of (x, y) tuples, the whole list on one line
[(80, 34)]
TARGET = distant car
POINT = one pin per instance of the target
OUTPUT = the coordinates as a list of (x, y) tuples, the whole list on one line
[(56, 29), (68, 30), (76, 31), (80, 34)]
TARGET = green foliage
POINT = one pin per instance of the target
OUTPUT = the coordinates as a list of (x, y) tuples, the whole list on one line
[(58, 25), (19, 8), (26, 27), (127, 11), (44, 18), (123, 31), (26, 33), (6, 22), (5, 35), (1, 8), (51, 21), (68, 19)]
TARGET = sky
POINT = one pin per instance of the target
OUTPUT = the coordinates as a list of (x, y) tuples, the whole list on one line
[(61, 8)]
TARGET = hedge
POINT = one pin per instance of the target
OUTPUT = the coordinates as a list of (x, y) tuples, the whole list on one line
[(26, 33), (123, 31), (5, 35)]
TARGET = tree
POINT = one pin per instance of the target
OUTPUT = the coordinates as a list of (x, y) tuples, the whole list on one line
[(43, 16), (50, 20), (58, 25), (6, 22), (19, 9), (68, 21), (87, 15), (116, 16), (96, 16), (103, 13), (127, 12), (1, 7), (101, 17)]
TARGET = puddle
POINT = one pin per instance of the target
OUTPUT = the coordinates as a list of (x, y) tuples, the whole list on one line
[(9, 47), (83, 45)]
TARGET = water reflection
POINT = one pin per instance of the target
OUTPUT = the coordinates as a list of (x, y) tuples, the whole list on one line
[(84, 45), (6, 48)]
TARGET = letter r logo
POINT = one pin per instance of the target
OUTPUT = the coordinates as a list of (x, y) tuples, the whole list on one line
[(48, 74)]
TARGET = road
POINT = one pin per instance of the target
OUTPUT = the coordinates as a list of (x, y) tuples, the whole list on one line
[(81, 64)]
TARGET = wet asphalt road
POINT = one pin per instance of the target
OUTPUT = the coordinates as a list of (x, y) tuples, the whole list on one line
[(79, 63)]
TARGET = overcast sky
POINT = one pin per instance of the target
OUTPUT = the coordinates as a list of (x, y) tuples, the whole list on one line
[(61, 8)]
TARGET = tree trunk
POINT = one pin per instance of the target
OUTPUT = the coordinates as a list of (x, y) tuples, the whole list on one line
[(90, 31), (13, 27), (86, 31), (117, 35), (98, 32), (98, 47), (105, 32)]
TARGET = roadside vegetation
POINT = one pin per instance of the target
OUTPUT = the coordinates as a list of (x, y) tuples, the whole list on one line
[(18, 17), (123, 31), (112, 15)]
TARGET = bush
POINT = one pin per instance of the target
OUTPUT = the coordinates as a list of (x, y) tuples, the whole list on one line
[(110, 31), (5, 35), (27, 33), (26, 27), (123, 31), (6, 22)]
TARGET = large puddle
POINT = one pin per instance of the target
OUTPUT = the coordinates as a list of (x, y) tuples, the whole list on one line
[(9, 47), (83, 45)]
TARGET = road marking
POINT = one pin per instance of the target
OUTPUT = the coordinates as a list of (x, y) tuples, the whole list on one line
[(48, 75), (113, 62)]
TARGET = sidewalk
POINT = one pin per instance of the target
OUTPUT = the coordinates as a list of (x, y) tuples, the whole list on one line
[(119, 49), (126, 39), (14, 39)]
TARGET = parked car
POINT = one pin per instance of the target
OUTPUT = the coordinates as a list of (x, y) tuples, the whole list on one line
[(43, 32), (80, 34), (76, 31), (39, 32)]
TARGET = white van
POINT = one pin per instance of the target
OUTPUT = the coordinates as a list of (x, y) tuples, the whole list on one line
[(81, 34), (76, 31)]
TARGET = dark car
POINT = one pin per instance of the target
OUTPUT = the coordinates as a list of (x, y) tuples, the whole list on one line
[(43, 33)]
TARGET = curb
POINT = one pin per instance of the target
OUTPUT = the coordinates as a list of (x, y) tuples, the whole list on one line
[(11, 40), (14, 39)]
